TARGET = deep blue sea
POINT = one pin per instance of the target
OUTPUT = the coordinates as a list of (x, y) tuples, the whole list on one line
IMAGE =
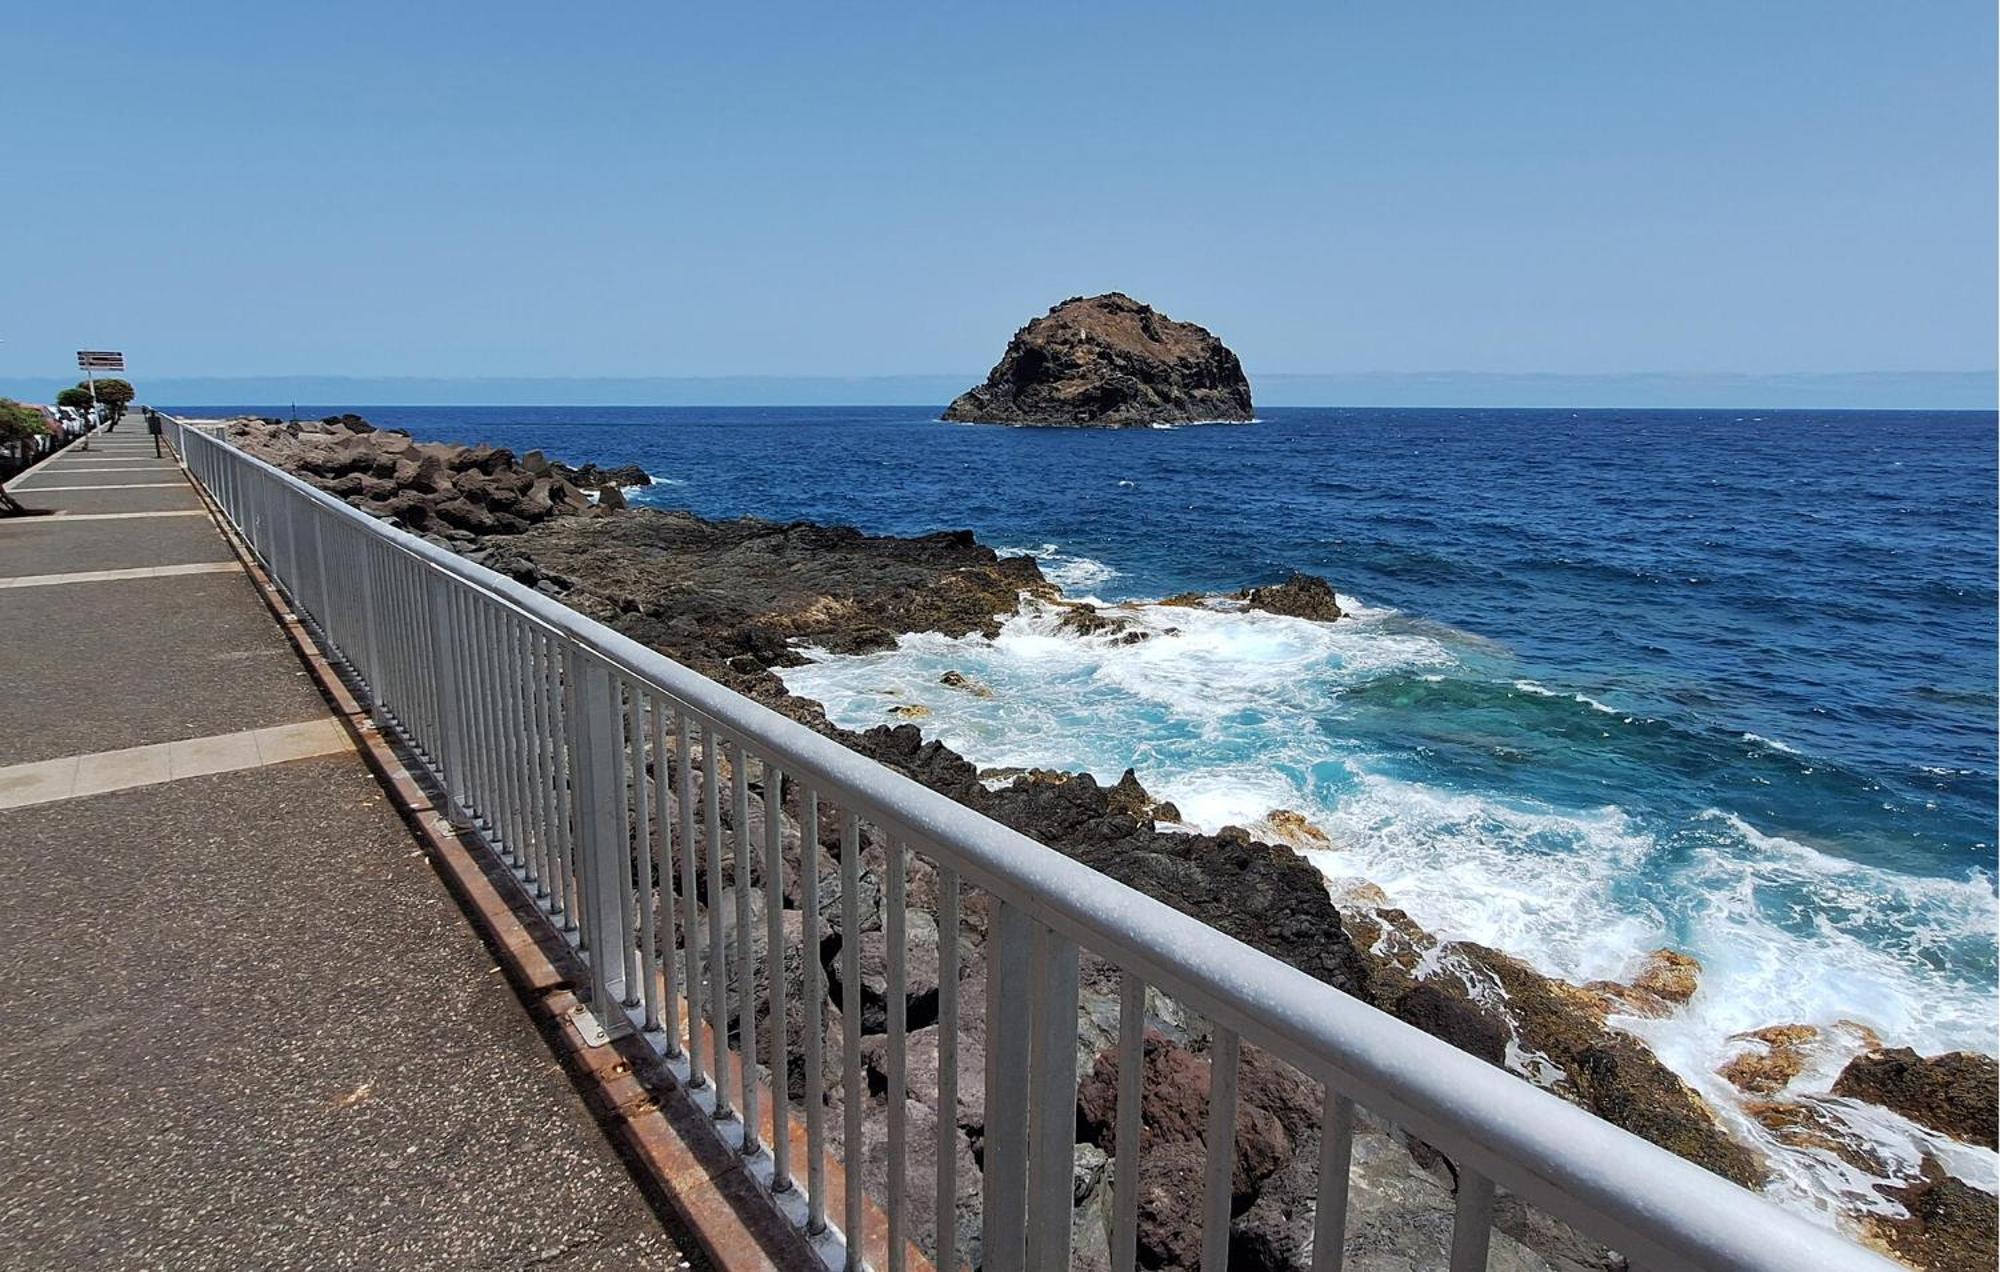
[(1615, 679)]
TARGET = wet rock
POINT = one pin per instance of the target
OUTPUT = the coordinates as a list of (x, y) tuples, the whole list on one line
[(1669, 975), (1950, 1223), (1776, 1055), (611, 498), (1301, 596), (1109, 361), (1285, 826), (1953, 1094), (594, 477), (1084, 619), (1808, 1124), (960, 681), (1444, 1011), (1609, 1071)]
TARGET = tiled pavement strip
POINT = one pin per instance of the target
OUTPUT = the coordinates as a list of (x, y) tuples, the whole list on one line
[(246, 1023)]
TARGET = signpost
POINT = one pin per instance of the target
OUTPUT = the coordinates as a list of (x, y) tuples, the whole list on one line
[(90, 362)]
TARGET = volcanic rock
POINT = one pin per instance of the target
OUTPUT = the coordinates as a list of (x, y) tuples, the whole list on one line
[(1300, 596), (1953, 1094), (1950, 1223), (592, 477), (431, 488), (1109, 361)]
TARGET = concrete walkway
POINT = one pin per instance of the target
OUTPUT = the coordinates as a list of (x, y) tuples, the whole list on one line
[(245, 1024)]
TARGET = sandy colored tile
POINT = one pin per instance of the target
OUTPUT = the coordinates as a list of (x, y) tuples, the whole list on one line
[(198, 756), (117, 770), (301, 741), (37, 783)]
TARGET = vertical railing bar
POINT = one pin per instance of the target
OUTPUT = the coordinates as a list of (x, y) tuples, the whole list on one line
[(742, 854), (814, 1024), (1125, 1143), (897, 942), (547, 880), (514, 741), (850, 1022), (1472, 1221), (644, 855), (429, 746), (947, 1068), (577, 779), (1004, 1204), (1052, 1115), (663, 1010), (481, 699), (1221, 1162), (1336, 1148), (774, 971), (690, 898), (630, 766), (567, 889), (718, 963)]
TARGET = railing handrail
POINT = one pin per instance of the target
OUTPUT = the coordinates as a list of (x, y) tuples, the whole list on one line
[(1654, 1207)]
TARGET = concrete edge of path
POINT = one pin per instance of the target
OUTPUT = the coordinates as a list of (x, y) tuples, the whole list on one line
[(700, 1188)]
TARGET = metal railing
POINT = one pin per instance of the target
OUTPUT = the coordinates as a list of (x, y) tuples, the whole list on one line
[(618, 785)]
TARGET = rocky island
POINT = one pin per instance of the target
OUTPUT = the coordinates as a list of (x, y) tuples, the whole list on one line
[(1108, 362)]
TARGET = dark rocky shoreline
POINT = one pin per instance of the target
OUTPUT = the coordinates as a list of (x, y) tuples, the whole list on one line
[(731, 600)]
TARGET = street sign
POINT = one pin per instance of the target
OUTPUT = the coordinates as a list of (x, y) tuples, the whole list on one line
[(98, 360)]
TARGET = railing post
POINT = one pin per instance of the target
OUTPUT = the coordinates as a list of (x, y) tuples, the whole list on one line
[(1004, 1221), (593, 723), (445, 652)]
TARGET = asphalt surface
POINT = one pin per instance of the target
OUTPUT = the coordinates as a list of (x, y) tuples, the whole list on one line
[(245, 1024), (103, 666)]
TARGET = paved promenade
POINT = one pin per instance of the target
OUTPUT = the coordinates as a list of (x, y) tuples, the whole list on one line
[(244, 1025)]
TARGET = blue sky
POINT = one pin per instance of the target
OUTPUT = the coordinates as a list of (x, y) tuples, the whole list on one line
[(509, 189)]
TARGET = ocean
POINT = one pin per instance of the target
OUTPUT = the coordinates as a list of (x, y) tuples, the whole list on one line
[(1611, 680)]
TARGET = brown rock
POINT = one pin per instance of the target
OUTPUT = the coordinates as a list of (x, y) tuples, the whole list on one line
[(1951, 1224), (1777, 1055), (1285, 826), (1670, 975), (1108, 361), (1808, 1124), (1442, 1010), (1174, 1111), (1953, 1094), (960, 681), (1301, 596)]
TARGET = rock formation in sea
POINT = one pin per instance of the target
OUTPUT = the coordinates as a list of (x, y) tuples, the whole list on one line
[(733, 599), (1108, 361)]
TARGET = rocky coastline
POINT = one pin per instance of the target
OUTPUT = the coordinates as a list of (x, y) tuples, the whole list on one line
[(735, 600)]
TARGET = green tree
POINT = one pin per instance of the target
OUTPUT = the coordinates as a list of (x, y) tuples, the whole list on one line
[(18, 423), (78, 397), (116, 394)]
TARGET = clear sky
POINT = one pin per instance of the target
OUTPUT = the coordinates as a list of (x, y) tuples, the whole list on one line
[(642, 189)]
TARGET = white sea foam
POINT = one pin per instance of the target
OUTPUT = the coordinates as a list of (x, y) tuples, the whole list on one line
[(1543, 691), (1758, 739), (1073, 574), (1231, 713)]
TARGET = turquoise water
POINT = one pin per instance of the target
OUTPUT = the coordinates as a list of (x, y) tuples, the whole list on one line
[(1722, 681)]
